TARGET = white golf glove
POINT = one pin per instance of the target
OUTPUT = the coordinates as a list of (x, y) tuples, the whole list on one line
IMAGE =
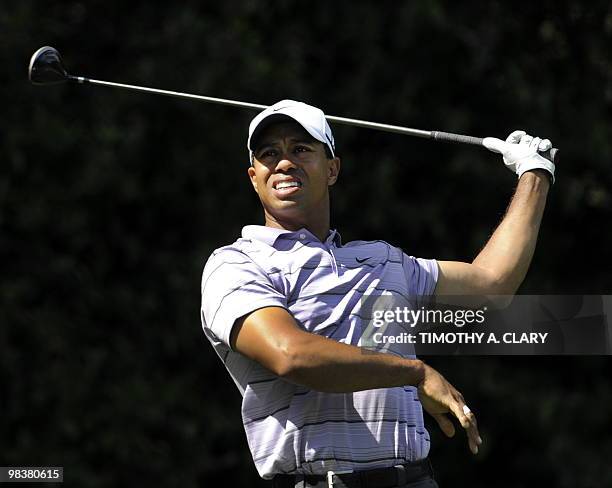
[(520, 152)]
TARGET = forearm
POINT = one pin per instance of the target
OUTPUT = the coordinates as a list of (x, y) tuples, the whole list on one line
[(509, 251), (326, 365)]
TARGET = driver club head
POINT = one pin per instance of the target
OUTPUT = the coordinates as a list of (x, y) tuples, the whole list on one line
[(46, 67)]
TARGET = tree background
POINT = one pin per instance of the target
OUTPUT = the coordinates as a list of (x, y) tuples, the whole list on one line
[(111, 202)]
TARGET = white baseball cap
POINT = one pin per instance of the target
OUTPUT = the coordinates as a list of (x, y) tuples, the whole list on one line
[(312, 119)]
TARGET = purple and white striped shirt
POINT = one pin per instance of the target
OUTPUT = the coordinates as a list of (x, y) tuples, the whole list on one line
[(289, 428)]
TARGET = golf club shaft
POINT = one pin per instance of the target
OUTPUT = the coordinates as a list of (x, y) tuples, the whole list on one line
[(445, 136), (168, 93), (436, 135)]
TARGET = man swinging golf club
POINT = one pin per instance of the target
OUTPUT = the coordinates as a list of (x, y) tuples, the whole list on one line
[(281, 307)]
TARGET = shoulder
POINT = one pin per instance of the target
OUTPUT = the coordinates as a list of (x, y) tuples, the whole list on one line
[(231, 261), (231, 252), (236, 252)]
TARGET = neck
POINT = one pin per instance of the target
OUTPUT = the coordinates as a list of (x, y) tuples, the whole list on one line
[(318, 224)]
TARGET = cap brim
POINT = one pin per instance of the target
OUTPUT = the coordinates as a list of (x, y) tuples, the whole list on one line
[(267, 122)]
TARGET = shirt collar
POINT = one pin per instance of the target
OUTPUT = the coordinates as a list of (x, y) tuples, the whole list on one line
[(334, 237), (269, 235)]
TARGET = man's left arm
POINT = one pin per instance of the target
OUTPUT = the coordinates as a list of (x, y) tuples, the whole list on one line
[(501, 266)]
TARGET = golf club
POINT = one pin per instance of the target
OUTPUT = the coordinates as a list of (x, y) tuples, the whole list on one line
[(46, 68)]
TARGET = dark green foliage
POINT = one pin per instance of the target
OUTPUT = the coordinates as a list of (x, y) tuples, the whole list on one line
[(111, 202)]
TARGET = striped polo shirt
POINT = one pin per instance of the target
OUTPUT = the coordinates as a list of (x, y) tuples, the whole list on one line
[(290, 428)]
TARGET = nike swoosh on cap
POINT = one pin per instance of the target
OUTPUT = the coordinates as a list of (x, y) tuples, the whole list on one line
[(361, 260)]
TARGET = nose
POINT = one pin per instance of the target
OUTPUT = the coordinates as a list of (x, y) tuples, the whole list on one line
[(284, 163)]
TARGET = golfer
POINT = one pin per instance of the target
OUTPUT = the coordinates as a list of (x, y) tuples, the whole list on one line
[(281, 307)]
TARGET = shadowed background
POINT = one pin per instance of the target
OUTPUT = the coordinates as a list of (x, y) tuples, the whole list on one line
[(111, 202)]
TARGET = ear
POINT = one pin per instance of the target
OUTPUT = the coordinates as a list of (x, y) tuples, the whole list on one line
[(333, 170), (253, 178)]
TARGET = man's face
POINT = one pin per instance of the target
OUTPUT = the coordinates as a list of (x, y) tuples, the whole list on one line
[(291, 173)]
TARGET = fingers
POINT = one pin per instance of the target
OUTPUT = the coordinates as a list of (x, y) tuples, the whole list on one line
[(493, 144), (545, 145), (438, 397), (445, 424), (468, 421), (515, 137), (474, 439), (457, 411), (526, 139), (534, 143)]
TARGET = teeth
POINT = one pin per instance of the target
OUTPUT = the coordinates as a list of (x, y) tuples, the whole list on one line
[(287, 184)]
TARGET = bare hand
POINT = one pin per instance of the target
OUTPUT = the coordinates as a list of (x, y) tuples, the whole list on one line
[(439, 398)]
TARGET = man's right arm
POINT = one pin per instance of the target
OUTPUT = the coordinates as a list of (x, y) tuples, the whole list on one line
[(271, 337)]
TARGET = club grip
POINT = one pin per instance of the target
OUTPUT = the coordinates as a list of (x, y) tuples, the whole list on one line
[(450, 137), (552, 154)]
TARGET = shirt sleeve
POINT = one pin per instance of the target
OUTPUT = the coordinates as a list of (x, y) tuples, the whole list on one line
[(421, 274), (233, 285)]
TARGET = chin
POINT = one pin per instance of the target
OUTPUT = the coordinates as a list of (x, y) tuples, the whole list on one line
[(285, 204), (286, 211)]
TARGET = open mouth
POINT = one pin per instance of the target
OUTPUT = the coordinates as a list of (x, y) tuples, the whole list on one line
[(287, 187)]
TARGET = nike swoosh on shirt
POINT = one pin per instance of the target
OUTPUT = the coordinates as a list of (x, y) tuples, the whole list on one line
[(361, 260)]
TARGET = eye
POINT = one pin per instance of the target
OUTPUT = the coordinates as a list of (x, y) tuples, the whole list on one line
[(299, 149), (267, 153)]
